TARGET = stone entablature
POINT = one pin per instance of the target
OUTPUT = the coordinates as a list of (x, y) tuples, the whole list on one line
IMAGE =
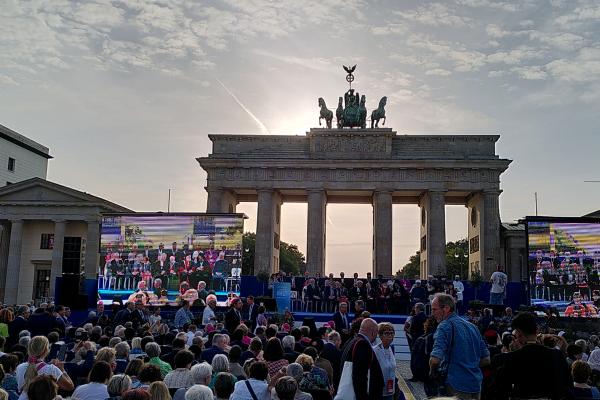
[(380, 143), (363, 165)]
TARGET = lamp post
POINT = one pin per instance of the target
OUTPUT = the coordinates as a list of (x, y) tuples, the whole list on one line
[(169, 201)]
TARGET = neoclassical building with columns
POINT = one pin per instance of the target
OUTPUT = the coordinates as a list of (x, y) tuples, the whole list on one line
[(47, 229), (373, 166)]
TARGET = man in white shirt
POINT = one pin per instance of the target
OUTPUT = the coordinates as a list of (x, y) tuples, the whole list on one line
[(498, 280), (460, 288)]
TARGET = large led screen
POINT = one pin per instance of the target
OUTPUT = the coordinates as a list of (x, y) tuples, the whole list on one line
[(564, 264), (167, 252)]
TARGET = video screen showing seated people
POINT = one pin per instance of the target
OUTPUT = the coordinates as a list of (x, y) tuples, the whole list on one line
[(563, 262), (157, 258)]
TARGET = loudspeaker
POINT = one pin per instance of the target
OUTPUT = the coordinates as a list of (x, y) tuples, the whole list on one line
[(68, 293)]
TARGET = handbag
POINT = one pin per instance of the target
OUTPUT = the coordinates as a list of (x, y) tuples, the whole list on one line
[(346, 386), (439, 376)]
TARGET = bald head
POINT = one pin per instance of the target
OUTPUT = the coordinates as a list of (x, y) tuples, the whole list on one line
[(368, 327)]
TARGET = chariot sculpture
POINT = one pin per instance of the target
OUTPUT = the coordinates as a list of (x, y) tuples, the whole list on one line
[(351, 111)]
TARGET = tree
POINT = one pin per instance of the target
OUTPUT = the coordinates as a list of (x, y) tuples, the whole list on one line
[(291, 260), (457, 254), (413, 268)]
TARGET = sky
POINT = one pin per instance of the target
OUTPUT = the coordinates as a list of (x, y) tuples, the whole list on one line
[(125, 93)]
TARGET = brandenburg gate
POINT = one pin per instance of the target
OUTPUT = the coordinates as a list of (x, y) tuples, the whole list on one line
[(374, 166)]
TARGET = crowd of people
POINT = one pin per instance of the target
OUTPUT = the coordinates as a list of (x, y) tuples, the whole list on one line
[(505, 356), (137, 352)]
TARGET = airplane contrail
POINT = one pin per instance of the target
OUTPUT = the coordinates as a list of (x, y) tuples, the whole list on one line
[(262, 126)]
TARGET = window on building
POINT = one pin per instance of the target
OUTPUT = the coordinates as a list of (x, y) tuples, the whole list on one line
[(47, 242), (11, 164)]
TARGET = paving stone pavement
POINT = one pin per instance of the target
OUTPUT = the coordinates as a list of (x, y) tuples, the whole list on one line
[(415, 389)]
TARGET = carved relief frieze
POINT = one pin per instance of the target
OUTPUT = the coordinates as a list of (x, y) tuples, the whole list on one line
[(355, 174)]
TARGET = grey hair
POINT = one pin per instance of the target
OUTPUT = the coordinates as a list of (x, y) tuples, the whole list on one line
[(446, 300), (420, 306), (334, 335), (201, 373), (217, 338), (152, 349), (220, 363), (122, 349), (118, 384), (24, 341), (288, 342), (296, 371), (114, 341), (199, 392), (24, 333)]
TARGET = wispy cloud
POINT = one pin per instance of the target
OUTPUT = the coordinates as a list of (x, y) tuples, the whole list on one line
[(262, 126)]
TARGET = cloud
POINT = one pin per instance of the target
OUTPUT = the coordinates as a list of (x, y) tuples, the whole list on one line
[(585, 67), (535, 72), (498, 5), (579, 16), (438, 72), (514, 57), (435, 14), (464, 60)]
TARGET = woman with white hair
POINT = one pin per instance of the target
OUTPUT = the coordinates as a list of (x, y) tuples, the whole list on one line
[(208, 315), (220, 363), (199, 392)]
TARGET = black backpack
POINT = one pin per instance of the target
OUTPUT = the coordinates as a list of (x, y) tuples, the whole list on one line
[(419, 357)]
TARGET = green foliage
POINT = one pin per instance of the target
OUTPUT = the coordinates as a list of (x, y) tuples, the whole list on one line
[(457, 260), (412, 269), (291, 260)]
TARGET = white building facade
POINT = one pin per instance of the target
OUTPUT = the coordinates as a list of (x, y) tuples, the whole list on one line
[(21, 158)]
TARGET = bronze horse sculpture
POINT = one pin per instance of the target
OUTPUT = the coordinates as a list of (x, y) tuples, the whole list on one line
[(325, 113), (379, 113)]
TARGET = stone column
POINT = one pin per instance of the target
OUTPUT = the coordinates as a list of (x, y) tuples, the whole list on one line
[(382, 233), (436, 237), (266, 252), (60, 227), (315, 240), (14, 262), (491, 237), (4, 244), (92, 249), (213, 203), (220, 201)]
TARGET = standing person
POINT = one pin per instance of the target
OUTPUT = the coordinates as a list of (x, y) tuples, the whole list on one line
[(387, 360), (183, 315), (532, 371), (208, 315), (417, 322), (233, 317), (342, 320), (459, 349), (365, 378), (460, 288), (250, 311), (498, 291)]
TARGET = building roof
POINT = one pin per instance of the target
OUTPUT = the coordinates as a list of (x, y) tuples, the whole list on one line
[(33, 189), (22, 141), (513, 226), (595, 214)]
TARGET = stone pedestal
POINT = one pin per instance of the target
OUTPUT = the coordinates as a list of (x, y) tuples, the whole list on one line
[(315, 239), (14, 262), (382, 233), (60, 227), (266, 253)]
